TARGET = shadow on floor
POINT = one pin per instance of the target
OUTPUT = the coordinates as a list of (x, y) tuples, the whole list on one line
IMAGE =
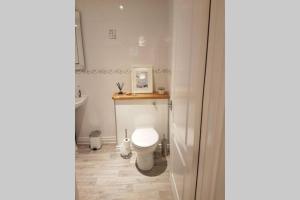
[(160, 165)]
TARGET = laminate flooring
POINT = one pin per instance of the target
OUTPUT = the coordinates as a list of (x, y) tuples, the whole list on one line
[(104, 175)]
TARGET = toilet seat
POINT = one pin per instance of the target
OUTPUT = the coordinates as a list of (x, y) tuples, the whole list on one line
[(144, 137)]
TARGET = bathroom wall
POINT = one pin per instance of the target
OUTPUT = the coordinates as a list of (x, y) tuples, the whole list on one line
[(110, 60)]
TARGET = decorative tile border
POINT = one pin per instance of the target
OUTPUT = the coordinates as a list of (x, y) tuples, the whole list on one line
[(117, 71)]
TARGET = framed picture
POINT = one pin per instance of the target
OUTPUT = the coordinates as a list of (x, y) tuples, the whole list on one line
[(142, 80)]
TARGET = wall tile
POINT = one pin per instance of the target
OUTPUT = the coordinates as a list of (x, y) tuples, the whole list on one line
[(108, 60)]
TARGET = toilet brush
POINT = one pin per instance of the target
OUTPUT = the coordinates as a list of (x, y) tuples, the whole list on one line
[(164, 146), (125, 147)]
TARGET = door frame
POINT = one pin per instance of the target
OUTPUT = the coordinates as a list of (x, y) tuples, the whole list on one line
[(211, 168)]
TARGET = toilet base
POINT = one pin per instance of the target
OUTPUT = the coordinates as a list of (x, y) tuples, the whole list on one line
[(145, 161)]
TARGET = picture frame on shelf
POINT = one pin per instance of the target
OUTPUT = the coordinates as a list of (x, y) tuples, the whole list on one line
[(142, 79)]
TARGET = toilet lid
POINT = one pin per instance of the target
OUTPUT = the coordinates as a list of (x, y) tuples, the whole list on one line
[(144, 137)]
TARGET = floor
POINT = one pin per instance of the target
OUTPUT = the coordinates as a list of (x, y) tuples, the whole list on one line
[(104, 175)]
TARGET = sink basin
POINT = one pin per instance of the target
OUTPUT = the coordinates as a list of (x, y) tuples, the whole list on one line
[(79, 101)]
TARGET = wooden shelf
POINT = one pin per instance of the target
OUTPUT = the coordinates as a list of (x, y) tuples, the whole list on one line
[(128, 96)]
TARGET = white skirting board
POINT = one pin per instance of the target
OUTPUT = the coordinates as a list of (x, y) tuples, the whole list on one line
[(104, 140)]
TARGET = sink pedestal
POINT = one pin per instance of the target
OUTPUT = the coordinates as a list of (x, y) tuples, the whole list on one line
[(79, 101)]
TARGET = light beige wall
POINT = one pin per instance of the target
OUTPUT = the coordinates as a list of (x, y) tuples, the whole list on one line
[(108, 61)]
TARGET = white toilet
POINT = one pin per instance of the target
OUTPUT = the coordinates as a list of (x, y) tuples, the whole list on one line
[(144, 141)]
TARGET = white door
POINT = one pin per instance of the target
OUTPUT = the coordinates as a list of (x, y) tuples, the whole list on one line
[(190, 29)]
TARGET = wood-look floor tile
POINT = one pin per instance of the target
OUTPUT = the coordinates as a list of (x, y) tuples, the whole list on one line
[(104, 175)]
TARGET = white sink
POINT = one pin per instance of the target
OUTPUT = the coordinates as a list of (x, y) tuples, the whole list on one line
[(79, 101)]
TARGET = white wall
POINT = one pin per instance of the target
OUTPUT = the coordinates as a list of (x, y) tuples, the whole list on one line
[(109, 61)]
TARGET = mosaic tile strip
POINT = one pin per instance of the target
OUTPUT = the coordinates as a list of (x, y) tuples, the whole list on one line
[(117, 71)]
